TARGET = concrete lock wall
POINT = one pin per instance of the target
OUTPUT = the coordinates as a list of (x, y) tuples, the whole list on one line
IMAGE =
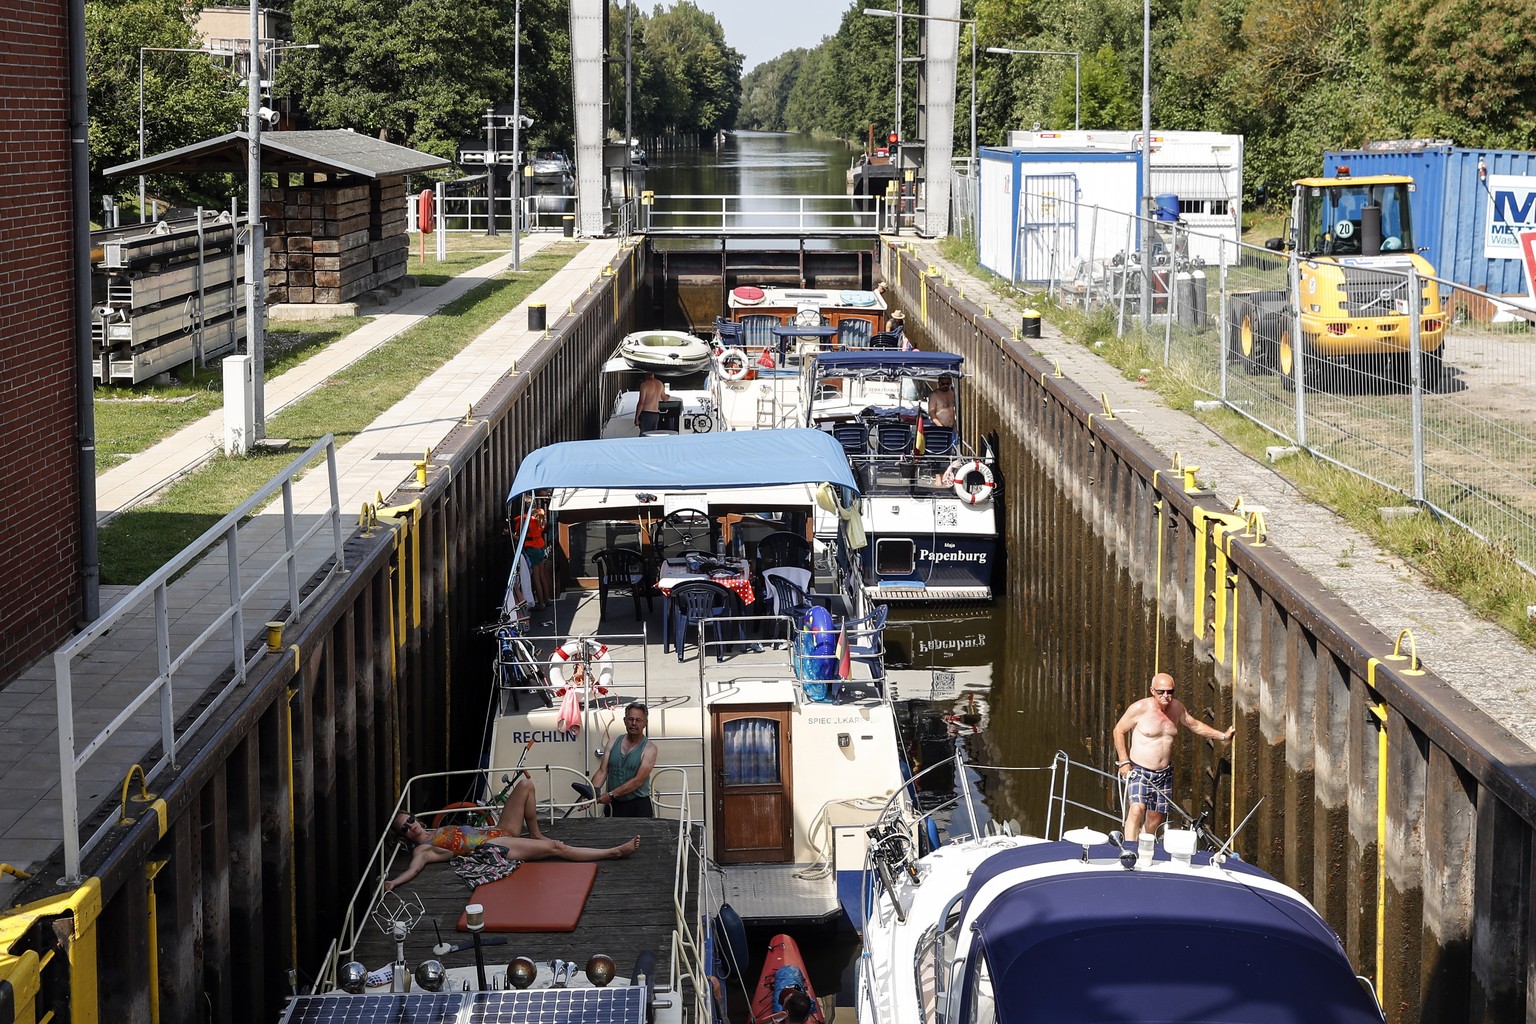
[(1404, 812), (242, 868)]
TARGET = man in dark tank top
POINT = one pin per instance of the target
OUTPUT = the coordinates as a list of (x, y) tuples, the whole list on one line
[(623, 780)]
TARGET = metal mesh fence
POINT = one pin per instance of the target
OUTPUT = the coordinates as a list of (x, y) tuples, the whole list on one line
[(1327, 354)]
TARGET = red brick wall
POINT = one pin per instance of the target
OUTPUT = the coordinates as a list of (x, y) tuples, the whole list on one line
[(39, 530)]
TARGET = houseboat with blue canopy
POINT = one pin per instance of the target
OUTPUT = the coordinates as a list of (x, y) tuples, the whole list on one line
[(693, 580)]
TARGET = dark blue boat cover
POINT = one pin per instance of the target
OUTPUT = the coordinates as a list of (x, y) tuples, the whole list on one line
[(914, 363), (1143, 946)]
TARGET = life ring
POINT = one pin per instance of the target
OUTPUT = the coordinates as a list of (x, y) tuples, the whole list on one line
[(595, 654), (960, 471), (747, 295), (732, 364)]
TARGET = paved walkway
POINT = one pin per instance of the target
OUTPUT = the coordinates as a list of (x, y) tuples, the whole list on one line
[(108, 676), (1481, 660)]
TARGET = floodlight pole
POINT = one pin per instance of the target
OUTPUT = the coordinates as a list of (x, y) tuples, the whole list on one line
[(255, 252), (517, 130), (1146, 160)]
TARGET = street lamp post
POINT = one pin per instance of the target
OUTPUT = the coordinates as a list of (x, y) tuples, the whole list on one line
[(143, 200), (517, 129), (1077, 75), (1146, 172), (255, 254)]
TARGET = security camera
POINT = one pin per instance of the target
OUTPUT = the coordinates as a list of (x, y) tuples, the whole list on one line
[(270, 116)]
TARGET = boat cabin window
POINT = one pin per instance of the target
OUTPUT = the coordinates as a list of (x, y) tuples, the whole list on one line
[(751, 754), (982, 1003), (895, 556)]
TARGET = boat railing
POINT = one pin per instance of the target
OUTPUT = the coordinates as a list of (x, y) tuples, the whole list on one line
[(690, 876), (779, 634), (306, 537), (382, 860)]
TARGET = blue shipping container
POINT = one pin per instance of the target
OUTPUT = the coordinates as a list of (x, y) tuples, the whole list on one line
[(1463, 220)]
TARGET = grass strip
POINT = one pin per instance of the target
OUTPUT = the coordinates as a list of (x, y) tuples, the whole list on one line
[(142, 539), (131, 418)]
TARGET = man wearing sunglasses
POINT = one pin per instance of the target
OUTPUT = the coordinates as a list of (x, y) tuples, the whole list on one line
[(626, 769), (1144, 753)]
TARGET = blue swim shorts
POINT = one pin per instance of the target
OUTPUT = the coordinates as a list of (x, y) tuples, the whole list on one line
[(1149, 788)]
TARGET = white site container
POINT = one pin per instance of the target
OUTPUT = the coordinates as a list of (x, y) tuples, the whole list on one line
[(1034, 210), (1203, 169)]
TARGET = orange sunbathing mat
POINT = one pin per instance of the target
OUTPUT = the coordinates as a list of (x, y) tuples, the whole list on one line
[(540, 896)]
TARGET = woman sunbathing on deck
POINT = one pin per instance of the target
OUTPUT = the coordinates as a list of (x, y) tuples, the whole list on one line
[(443, 844)]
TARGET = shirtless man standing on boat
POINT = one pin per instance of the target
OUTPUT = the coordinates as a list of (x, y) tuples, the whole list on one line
[(648, 403), (1144, 753)]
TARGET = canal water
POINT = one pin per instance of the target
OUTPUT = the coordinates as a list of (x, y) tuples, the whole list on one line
[(992, 682)]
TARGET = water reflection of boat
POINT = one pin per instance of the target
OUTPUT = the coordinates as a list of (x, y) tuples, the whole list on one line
[(1008, 929), (970, 717)]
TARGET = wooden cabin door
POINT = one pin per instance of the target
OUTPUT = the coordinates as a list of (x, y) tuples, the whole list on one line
[(754, 820)]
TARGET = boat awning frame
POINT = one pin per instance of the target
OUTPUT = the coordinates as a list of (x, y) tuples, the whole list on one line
[(688, 462), (889, 364)]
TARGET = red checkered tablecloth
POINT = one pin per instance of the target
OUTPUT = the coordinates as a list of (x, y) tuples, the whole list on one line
[(739, 582)]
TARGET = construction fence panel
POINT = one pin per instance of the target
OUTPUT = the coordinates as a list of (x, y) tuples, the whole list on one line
[(1440, 407)]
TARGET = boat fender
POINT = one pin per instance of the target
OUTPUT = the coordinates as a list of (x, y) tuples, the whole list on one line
[(732, 364), (596, 656), (961, 471)]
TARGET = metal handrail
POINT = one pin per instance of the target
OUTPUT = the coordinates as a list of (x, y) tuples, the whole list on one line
[(725, 214), (156, 588)]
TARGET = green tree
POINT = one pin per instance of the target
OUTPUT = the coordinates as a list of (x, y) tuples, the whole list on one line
[(188, 97), (698, 80), (423, 72)]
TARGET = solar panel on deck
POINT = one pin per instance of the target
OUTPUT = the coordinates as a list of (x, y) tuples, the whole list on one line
[(416, 1008), (559, 1006), (535, 1006)]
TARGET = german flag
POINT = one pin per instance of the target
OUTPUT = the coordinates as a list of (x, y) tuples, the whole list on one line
[(919, 443), (844, 662)]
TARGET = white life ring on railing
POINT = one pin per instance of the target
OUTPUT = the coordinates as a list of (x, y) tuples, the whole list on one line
[(732, 364), (961, 470), (580, 649)]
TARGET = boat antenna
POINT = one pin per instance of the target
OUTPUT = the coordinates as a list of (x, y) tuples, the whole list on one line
[(1223, 851)]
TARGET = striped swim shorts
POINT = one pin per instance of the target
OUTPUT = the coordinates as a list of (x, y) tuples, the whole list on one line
[(1149, 788)]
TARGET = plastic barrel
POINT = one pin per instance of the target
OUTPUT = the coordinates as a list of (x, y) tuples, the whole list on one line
[(1167, 208), (1031, 326), (538, 316)]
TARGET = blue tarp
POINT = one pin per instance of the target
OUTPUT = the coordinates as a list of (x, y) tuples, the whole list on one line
[(1140, 946), (688, 462), (889, 363)]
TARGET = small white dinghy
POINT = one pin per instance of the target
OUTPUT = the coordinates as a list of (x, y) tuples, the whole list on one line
[(664, 351)]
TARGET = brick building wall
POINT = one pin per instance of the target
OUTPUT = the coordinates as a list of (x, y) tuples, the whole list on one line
[(40, 594)]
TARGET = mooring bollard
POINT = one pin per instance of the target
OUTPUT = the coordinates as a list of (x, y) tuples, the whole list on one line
[(1031, 323), (568, 225), (538, 316)]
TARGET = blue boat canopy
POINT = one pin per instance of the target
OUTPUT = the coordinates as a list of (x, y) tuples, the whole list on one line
[(884, 362), (1141, 946), (740, 458)]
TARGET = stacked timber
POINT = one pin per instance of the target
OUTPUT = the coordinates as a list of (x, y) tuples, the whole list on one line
[(330, 243)]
